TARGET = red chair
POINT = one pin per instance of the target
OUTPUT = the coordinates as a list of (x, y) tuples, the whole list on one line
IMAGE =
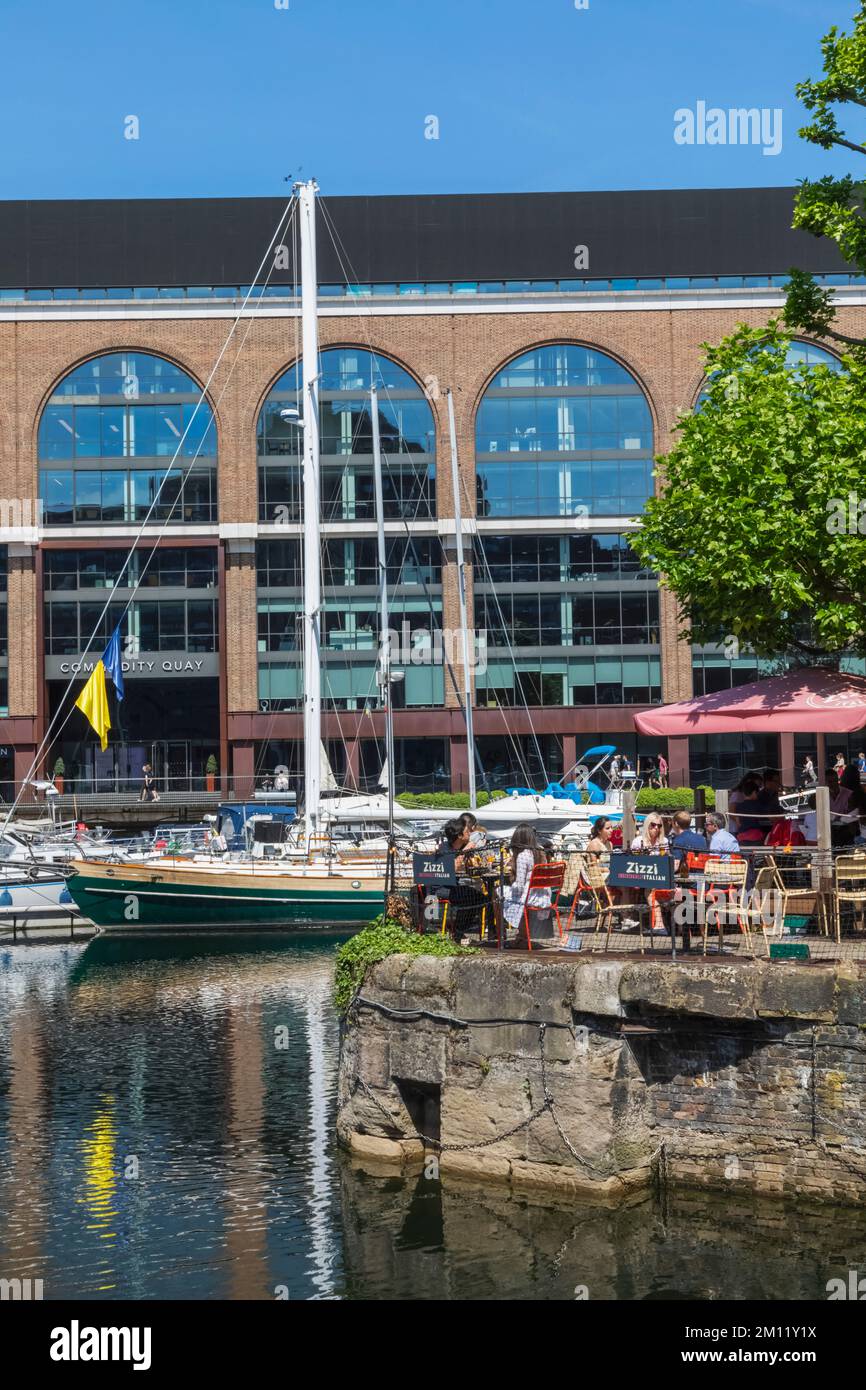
[(544, 876)]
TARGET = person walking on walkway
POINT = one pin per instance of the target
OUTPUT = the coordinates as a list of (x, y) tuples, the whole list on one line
[(148, 786)]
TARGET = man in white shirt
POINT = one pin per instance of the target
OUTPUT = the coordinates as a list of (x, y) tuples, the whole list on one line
[(722, 842)]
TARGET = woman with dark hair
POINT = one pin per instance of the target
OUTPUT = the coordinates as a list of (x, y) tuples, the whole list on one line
[(599, 841), (526, 852)]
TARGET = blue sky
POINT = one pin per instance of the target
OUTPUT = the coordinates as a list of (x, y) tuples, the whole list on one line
[(233, 95)]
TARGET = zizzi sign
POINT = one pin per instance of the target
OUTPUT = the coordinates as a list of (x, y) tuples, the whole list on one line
[(434, 870), (641, 871)]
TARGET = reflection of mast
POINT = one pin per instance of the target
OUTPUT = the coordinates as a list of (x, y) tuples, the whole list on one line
[(25, 1164), (317, 1146), (246, 1195)]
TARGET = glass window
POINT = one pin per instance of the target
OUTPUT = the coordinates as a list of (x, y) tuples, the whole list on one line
[(555, 400), (110, 408), (406, 429)]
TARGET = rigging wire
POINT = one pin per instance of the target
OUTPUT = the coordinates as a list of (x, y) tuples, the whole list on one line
[(52, 730)]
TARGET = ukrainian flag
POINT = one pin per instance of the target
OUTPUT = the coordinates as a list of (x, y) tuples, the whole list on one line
[(93, 702)]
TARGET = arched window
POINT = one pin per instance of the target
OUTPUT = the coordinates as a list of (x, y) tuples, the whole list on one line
[(799, 354), (406, 429), (116, 428), (563, 431), (808, 355)]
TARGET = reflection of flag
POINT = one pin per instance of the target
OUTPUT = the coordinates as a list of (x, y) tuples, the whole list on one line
[(93, 702), (113, 663)]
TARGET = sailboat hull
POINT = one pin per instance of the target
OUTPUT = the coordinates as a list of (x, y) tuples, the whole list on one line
[(171, 894)]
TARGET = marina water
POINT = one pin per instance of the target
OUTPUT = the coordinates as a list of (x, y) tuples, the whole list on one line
[(166, 1131)]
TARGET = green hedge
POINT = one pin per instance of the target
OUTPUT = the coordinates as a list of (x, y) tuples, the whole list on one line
[(444, 801), (384, 937), (671, 799)]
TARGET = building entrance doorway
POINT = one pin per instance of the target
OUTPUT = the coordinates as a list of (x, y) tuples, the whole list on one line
[(172, 764)]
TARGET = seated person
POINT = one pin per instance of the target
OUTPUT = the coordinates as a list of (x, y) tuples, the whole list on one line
[(600, 841), (722, 842), (684, 839), (768, 798), (749, 829), (455, 838), (526, 852), (477, 833), (465, 900)]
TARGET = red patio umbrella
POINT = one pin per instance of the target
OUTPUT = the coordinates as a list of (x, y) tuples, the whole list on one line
[(813, 701)]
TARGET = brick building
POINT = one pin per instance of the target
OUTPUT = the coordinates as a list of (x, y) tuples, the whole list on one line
[(566, 382)]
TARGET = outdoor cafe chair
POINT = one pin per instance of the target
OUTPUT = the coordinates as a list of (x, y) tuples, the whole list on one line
[(849, 887), (606, 910), (767, 880), (806, 901), (573, 885), (549, 876), (726, 878)]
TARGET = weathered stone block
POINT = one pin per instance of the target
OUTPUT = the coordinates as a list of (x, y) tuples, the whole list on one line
[(418, 1055), (792, 991), (597, 988), (485, 1166), (714, 990)]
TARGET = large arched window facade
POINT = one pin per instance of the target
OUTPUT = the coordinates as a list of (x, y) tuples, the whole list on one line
[(349, 568), (117, 427), (563, 431), (406, 428)]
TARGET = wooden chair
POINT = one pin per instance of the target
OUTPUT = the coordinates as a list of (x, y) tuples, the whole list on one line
[(606, 910), (849, 886), (726, 878), (551, 877)]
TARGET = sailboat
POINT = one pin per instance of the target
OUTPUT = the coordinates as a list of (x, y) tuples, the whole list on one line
[(203, 894)]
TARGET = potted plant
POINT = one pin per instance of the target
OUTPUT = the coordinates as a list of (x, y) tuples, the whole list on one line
[(59, 771), (211, 771)]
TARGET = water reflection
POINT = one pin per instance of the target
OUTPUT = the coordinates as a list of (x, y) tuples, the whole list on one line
[(166, 1123)]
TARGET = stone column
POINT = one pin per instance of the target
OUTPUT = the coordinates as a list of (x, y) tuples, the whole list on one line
[(241, 619), (569, 753), (676, 655), (459, 765), (25, 659), (678, 762), (788, 762), (243, 769)]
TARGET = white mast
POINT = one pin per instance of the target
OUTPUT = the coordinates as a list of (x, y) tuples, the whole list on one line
[(461, 592), (311, 494), (384, 673)]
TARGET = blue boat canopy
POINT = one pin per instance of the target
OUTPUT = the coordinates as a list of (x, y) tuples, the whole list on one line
[(604, 750), (239, 812)]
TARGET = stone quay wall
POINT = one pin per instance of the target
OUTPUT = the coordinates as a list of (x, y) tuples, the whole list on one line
[(743, 1075)]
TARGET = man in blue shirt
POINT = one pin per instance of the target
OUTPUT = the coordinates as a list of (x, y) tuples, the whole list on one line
[(684, 840), (722, 842)]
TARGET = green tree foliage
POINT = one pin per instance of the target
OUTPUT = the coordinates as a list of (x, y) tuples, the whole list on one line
[(759, 531), (831, 207)]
